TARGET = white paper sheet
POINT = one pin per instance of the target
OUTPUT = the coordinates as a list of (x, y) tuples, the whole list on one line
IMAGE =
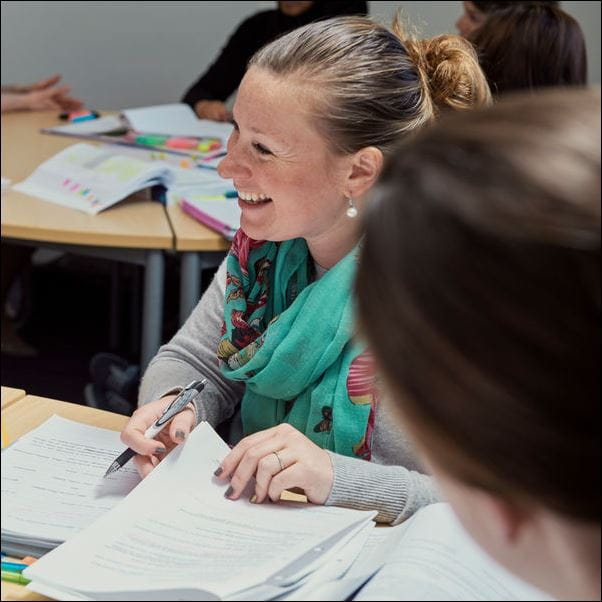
[(436, 560), (101, 125), (51, 479), (176, 530), (176, 119), (329, 578)]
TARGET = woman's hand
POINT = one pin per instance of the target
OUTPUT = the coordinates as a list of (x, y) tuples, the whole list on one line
[(212, 109), (151, 451), (51, 98), (279, 458), (39, 85)]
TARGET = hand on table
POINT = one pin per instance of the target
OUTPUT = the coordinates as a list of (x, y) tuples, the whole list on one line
[(212, 109), (297, 463), (152, 451)]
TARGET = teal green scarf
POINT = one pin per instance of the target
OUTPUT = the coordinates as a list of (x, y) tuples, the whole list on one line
[(290, 341)]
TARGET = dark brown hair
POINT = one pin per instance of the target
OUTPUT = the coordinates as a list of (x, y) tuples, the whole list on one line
[(491, 7), (530, 46), (370, 85), (479, 291)]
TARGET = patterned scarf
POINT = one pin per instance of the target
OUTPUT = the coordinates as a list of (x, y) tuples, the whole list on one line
[(290, 341)]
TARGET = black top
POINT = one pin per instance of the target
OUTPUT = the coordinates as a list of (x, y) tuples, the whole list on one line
[(226, 73)]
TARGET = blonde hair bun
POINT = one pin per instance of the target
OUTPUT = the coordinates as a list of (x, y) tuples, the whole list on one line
[(449, 66)]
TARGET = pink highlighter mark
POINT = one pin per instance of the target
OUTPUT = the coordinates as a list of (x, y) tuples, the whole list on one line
[(66, 182), (74, 187)]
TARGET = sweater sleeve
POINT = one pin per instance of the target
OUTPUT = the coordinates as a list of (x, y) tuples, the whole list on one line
[(191, 355), (224, 75), (394, 491)]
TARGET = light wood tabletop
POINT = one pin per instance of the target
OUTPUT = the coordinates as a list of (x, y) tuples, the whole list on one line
[(10, 395), (133, 223), (30, 411), (27, 413), (190, 235)]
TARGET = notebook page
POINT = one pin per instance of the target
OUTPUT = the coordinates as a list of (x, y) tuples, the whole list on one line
[(91, 178)]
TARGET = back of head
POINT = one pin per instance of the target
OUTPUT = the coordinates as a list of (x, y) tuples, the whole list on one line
[(490, 7), (479, 289), (531, 45), (370, 85)]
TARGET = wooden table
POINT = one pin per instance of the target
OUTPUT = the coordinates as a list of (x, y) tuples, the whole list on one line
[(30, 411), (199, 248), (135, 230), (27, 413), (10, 395)]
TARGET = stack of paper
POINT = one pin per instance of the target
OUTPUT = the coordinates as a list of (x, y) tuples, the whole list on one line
[(429, 557), (176, 537), (52, 484)]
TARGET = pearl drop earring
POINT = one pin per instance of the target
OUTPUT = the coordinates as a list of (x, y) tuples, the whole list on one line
[(351, 210)]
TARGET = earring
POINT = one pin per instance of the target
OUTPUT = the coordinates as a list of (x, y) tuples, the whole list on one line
[(351, 210)]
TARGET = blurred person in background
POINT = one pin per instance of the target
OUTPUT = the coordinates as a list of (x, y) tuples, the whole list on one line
[(208, 94)]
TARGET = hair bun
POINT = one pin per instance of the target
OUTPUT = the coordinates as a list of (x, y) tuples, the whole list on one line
[(450, 68)]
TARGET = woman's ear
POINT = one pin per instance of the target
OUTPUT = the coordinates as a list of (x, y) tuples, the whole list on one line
[(366, 166)]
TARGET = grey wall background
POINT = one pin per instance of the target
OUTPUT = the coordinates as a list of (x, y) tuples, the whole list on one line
[(126, 54)]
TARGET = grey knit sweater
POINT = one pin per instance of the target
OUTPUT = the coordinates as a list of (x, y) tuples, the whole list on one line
[(390, 483)]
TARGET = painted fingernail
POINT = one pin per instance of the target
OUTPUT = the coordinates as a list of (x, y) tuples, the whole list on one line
[(218, 471), (180, 435), (160, 450), (253, 499), (229, 492)]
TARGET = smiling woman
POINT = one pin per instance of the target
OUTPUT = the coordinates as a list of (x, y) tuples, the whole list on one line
[(317, 112), (289, 180)]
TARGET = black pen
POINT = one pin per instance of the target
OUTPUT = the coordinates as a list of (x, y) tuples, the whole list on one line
[(186, 395)]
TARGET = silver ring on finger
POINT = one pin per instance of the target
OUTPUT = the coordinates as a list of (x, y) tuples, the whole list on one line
[(279, 461)]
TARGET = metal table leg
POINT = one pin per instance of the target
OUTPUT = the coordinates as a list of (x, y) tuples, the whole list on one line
[(190, 283), (152, 317)]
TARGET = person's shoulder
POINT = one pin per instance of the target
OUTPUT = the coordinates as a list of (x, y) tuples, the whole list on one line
[(260, 18), (258, 29)]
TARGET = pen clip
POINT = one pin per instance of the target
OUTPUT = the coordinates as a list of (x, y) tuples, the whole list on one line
[(186, 395)]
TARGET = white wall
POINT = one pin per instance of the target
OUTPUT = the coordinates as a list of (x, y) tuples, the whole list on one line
[(124, 54)]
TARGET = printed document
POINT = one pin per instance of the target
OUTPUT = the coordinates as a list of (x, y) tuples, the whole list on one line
[(431, 557), (52, 485), (176, 536)]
